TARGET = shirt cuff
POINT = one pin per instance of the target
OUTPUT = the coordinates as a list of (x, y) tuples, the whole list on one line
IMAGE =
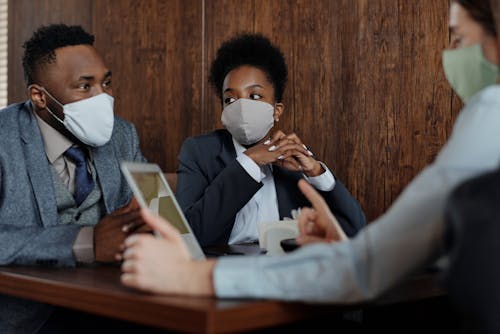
[(251, 167), (233, 278), (83, 247), (322, 182)]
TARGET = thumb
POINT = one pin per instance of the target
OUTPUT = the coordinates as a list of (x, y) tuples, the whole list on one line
[(160, 225)]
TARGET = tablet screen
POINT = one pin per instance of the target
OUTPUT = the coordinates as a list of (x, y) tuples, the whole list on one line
[(158, 198)]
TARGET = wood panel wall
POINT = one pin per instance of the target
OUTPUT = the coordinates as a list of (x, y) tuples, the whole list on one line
[(366, 90)]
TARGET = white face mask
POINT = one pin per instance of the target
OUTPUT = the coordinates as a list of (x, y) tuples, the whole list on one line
[(90, 120), (248, 121)]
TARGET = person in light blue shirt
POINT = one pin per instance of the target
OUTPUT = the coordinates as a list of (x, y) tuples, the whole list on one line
[(409, 236)]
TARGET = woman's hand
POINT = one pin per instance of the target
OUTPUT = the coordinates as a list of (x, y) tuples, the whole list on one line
[(261, 154), (318, 224), (286, 151), (163, 264), (296, 156)]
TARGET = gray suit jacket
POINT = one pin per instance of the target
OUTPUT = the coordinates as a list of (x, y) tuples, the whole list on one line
[(29, 229)]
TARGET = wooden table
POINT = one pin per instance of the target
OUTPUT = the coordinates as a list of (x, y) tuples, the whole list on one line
[(97, 290)]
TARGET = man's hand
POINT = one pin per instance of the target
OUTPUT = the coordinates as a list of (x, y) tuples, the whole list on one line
[(112, 230), (318, 224), (163, 264)]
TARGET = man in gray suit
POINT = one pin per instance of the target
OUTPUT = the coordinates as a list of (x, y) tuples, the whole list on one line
[(63, 199)]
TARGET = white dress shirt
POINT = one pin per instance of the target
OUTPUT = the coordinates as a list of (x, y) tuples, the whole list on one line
[(407, 237), (263, 206)]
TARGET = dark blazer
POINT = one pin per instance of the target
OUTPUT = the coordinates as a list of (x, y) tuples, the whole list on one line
[(29, 230), (212, 187)]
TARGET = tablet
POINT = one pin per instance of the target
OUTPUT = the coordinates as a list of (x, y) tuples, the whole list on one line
[(152, 191)]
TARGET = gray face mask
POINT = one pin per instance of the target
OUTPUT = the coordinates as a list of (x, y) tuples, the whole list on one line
[(247, 120)]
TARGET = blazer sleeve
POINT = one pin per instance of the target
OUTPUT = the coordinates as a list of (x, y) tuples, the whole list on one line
[(33, 244), (211, 204), (345, 208), (36, 245)]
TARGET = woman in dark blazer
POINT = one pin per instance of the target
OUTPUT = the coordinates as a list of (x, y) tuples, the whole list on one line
[(232, 179)]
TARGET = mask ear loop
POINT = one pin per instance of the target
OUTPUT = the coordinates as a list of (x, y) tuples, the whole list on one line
[(56, 101)]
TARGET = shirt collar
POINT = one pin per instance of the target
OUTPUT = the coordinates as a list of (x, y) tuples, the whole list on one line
[(54, 142), (238, 147)]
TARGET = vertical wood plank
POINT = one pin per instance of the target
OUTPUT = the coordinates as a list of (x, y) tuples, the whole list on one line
[(154, 49), (418, 107), (273, 20), (25, 16), (223, 19)]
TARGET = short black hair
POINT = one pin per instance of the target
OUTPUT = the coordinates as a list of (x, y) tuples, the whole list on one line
[(253, 50), (40, 48)]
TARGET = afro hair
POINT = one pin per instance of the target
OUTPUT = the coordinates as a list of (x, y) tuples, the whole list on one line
[(253, 50)]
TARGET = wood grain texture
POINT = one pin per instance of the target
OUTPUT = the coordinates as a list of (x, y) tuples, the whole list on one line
[(98, 290), (25, 16), (366, 89), (223, 19), (154, 50)]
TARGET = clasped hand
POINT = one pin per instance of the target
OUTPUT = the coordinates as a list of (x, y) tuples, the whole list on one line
[(286, 151)]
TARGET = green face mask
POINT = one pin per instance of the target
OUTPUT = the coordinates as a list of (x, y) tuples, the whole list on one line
[(468, 71)]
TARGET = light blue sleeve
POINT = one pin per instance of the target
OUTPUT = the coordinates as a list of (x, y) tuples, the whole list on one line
[(403, 240), (406, 238)]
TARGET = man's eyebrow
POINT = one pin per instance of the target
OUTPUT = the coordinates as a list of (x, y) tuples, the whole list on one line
[(91, 77), (86, 77)]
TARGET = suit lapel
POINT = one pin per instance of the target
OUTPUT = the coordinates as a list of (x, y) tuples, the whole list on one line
[(108, 175), (284, 205), (227, 152), (38, 166), (287, 191)]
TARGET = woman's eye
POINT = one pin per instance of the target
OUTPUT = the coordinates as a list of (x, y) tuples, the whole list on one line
[(255, 96), (229, 100), (107, 84)]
